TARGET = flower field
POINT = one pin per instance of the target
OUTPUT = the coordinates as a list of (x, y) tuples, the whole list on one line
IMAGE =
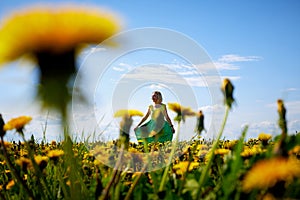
[(64, 170)]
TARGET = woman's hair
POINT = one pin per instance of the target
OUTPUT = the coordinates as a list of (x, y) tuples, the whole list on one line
[(158, 93)]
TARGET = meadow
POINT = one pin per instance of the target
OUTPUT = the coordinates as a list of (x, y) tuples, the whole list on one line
[(258, 168)]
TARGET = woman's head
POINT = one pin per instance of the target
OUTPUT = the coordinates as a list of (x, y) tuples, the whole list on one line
[(157, 97)]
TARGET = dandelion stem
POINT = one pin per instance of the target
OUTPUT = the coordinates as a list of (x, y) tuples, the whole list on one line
[(40, 176), (114, 175), (174, 145), (134, 184), (215, 144), (14, 171)]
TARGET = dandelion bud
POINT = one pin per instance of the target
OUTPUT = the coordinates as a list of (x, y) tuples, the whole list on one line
[(2, 131), (227, 89), (280, 148), (281, 112), (200, 122)]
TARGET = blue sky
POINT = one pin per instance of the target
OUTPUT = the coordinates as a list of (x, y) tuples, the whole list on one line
[(255, 43)]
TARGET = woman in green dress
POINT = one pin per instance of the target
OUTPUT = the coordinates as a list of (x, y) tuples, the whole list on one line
[(159, 128)]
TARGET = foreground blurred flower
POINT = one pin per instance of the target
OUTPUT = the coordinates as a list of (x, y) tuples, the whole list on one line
[(52, 35), (182, 112), (128, 113), (227, 89), (17, 123), (125, 124), (266, 173)]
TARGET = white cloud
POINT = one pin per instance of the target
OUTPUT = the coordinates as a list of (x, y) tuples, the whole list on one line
[(119, 69), (269, 127), (230, 58), (294, 126), (157, 86), (291, 89), (225, 66), (226, 62), (212, 108)]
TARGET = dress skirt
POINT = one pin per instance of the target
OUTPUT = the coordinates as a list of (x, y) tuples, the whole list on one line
[(164, 133)]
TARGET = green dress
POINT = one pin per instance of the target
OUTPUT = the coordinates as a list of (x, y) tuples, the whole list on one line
[(158, 124)]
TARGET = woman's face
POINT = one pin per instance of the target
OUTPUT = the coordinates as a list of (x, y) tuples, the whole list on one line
[(154, 97)]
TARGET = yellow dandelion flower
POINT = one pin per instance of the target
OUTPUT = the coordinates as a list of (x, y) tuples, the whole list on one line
[(53, 29), (202, 147), (295, 150), (17, 123), (266, 173), (23, 152), (230, 144), (222, 151), (128, 113), (264, 137), (23, 162), (176, 107), (251, 151), (7, 144), (182, 167), (25, 177), (182, 112), (41, 160), (52, 154), (10, 184)]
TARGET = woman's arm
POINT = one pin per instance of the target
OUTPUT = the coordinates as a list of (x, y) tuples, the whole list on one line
[(165, 112), (143, 119)]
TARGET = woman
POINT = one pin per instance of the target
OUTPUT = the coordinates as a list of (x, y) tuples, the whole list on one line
[(159, 128)]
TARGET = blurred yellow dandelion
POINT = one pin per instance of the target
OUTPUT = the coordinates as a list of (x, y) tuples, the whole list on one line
[(53, 29), (221, 151), (176, 107), (17, 123), (10, 184), (182, 112), (52, 35), (230, 144), (266, 173), (55, 153), (264, 137), (128, 113), (41, 160), (23, 162), (227, 89), (182, 167), (295, 150)]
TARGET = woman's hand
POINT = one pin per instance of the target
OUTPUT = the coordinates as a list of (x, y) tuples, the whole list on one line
[(173, 130), (135, 128)]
